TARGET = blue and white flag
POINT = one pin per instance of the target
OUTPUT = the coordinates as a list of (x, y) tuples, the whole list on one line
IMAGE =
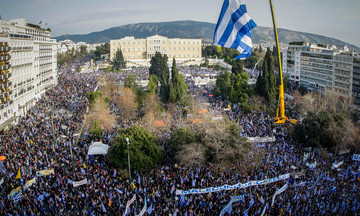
[(233, 28), (103, 208), (149, 210), (40, 197), (18, 197)]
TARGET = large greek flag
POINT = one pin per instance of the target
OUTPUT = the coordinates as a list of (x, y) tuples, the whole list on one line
[(233, 28)]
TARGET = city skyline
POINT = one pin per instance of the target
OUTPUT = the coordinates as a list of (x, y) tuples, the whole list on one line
[(322, 17)]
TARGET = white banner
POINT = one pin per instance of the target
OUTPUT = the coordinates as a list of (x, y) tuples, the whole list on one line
[(79, 183), (129, 203), (261, 139), (278, 192), (232, 187), (356, 157), (263, 212), (311, 166), (335, 166)]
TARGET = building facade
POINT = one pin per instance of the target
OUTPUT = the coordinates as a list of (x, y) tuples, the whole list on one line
[(356, 80), (145, 49), (32, 66)]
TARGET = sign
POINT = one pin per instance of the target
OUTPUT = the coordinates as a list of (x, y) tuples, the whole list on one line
[(29, 183), (44, 172), (356, 157), (79, 183)]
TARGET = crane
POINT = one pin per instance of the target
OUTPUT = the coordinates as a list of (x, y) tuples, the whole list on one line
[(280, 119)]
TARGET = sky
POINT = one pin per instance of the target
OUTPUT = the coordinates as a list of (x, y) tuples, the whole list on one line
[(333, 18)]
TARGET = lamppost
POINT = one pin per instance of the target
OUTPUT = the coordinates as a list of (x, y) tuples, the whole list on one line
[(53, 130), (127, 140)]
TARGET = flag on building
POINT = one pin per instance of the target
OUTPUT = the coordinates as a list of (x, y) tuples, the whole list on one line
[(233, 28)]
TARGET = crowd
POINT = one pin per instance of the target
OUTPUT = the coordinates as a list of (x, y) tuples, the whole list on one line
[(48, 138)]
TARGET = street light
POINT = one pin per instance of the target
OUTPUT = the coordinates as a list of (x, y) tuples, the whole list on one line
[(53, 131), (127, 140)]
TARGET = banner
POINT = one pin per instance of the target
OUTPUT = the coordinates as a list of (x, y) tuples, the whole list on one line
[(232, 187), (79, 183), (261, 139), (44, 172), (233, 199), (143, 210), (335, 166), (311, 166), (356, 157), (29, 183), (1, 181), (278, 192), (129, 203), (263, 212), (14, 192)]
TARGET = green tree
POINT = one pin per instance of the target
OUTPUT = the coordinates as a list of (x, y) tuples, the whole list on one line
[(161, 70), (178, 87), (266, 85), (314, 130), (118, 61), (143, 149), (91, 96), (130, 81), (102, 49), (96, 131), (152, 85)]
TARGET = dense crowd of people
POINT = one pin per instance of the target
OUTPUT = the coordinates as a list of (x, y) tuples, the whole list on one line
[(48, 138)]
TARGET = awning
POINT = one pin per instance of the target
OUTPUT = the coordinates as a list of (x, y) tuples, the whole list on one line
[(98, 148)]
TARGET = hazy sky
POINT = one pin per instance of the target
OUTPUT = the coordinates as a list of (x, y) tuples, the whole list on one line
[(334, 18)]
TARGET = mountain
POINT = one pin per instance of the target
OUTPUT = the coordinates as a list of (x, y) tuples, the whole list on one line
[(194, 29)]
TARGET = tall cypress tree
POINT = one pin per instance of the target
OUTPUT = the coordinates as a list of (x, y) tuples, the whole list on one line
[(118, 60), (269, 77)]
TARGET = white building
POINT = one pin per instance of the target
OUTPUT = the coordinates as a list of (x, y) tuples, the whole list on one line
[(67, 45), (321, 68), (31, 67)]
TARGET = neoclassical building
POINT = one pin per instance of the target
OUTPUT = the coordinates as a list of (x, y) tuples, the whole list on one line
[(145, 49)]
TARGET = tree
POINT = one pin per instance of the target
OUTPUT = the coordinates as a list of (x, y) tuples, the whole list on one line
[(160, 69), (102, 49), (91, 96), (178, 87), (130, 81), (266, 84), (218, 143), (152, 85), (118, 61), (143, 149), (126, 102), (234, 86), (96, 130)]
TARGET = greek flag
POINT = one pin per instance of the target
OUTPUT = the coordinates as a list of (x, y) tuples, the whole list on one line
[(17, 197), (233, 28), (40, 197), (149, 210)]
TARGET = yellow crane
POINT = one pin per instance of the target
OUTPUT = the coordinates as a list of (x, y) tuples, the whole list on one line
[(280, 114)]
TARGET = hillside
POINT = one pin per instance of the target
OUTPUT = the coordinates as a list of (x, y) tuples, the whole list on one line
[(194, 29)]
